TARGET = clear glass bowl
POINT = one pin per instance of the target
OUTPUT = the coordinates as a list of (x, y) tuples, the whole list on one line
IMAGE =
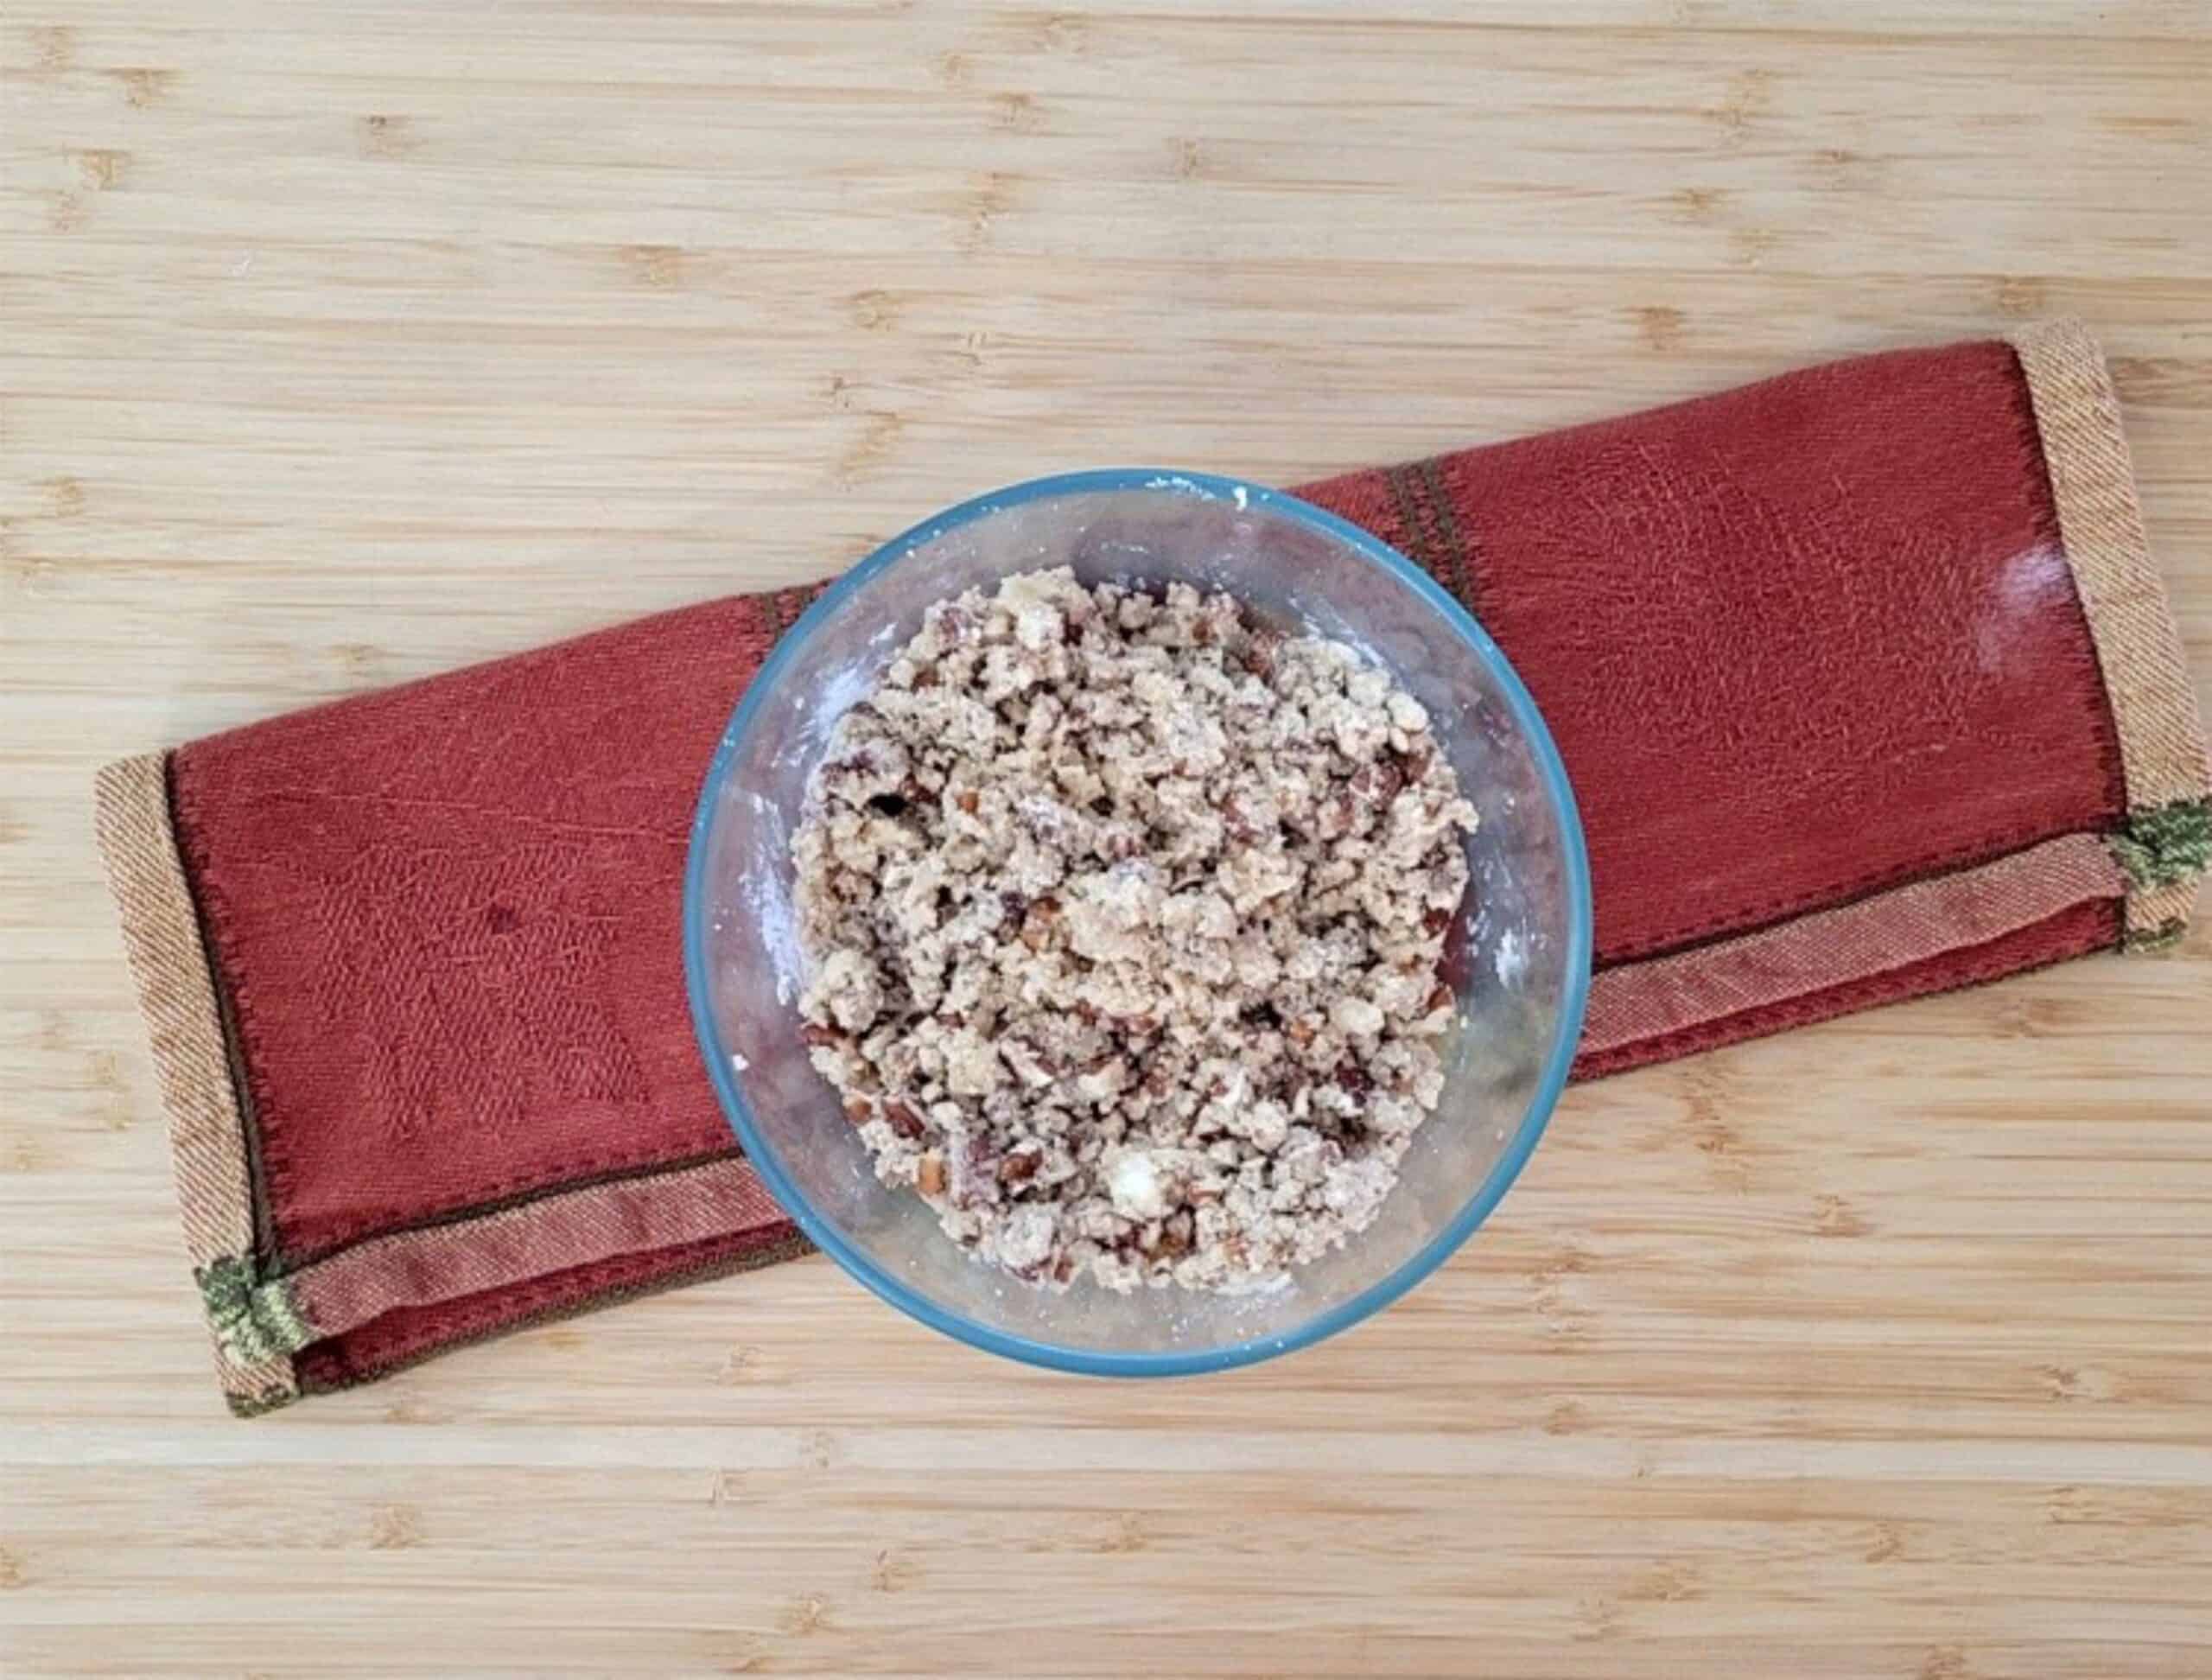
[(1519, 955)]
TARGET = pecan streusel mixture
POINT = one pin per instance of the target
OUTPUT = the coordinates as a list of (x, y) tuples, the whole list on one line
[(1123, 919)]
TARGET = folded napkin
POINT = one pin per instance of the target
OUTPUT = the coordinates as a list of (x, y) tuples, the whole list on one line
[(1862, 675)]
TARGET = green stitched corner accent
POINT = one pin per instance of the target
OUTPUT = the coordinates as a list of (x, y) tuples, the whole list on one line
[(254, 1321), (253, 1405), (2166, 845), (2164, 936)]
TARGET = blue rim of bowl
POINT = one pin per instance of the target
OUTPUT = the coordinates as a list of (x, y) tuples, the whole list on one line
[(1243, 495)]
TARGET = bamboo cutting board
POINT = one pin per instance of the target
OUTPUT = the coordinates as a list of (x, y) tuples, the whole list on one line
[(345, 343)]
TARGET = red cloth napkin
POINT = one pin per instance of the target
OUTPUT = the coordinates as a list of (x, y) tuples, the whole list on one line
[(1862, 675)]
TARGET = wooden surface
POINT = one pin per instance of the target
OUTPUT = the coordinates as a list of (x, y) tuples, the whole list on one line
[(346, 342)]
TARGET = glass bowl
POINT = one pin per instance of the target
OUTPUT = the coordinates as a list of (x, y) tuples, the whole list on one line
[(1518, 956)]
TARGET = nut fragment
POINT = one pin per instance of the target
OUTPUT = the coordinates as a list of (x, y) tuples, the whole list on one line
[(1260, 651), (1037, 925), (929, 1176)]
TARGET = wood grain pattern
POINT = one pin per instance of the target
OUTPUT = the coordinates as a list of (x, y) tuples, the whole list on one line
[(344, 343)]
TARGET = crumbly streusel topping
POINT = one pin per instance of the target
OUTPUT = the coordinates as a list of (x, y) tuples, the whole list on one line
[(1122, 919)]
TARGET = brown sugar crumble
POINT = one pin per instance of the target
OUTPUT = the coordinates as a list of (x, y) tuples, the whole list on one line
[(1122, 919)]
